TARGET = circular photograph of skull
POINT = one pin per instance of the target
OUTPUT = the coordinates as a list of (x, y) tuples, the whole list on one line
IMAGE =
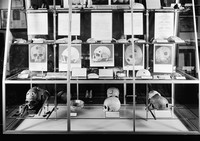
[(138, 55), (163, 55), (101, 55), (37, 53)]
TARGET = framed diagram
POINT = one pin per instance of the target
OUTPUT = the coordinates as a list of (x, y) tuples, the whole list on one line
[(128, 57), (101, 55), (163, 58), (18, 19), (38, 57), (75, 56), (187, 24)]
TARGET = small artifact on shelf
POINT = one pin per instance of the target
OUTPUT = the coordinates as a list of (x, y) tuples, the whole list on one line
[(176, 75), (93, 76), (91, 40), (112, 104), (161, 76), (160, 40), (143, 74), (20, 41), (38, 40), (106, 73), (24, 74), (175, 39), (156, 102), (62, 40), (76, 105), (77, 41)]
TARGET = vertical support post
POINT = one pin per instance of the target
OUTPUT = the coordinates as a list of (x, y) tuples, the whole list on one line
[(54, 50), (147, 39), (6, 51), (125, 92), (133, 53), (69, 66), (197, 51)]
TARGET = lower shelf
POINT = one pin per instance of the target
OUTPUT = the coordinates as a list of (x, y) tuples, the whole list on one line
[(92, 119)]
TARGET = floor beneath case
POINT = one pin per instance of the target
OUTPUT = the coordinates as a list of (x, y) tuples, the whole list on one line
[(92, 118)]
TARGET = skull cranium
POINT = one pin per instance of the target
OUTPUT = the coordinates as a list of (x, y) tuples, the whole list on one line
[(101, 53), (129, 56), (38, 53), (113, 92), (74, 55)]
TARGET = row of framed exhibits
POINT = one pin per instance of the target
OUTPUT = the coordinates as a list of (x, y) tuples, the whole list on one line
[(102, 55)]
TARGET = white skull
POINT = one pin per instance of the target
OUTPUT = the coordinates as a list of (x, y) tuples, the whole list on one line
[(74, 55), (113, 92), (101, 53), (111, 104), (38, 53), (129, 56)]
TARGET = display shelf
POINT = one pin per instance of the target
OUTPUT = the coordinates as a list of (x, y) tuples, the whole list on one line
[(134, 92)]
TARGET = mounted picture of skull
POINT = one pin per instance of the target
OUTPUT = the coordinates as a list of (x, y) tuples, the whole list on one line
[(163, 55), (128, 57), (101, 55), (38, 57), (75, 56), (163, 58)]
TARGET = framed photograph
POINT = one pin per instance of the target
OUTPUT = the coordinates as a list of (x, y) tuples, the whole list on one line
[(163, 58), (17, 19), (75, 56), (187, 24), (128, 57), (38, 57), (101, 55), (17, 4)]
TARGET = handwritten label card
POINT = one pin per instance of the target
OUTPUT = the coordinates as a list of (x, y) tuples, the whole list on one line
[(164, 25), (101, 26), (137, 24), (37, 23), (63, 24)]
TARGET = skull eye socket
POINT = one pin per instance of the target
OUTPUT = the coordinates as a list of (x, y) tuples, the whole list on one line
[(40, 55), (98, 55), (34, 55)]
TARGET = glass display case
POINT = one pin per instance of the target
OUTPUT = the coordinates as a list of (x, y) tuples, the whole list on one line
[(88, 67)]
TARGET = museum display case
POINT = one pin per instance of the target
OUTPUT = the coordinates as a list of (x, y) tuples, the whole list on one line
[(109, 66)]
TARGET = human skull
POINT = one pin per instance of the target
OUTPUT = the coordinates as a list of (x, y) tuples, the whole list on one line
[(111, 104), (129, 56), (156, 101), (35, 96), (32, 98), (101, 53), (113, 92), (38, 53), (74, 55)]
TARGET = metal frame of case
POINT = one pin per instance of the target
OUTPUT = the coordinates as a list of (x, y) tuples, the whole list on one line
[(68, 81)]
